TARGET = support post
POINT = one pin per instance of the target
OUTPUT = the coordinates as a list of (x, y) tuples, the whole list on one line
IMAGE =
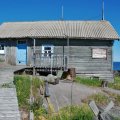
[(34, 57), (51, 63), (68, 44), (31, 114), (63, 58)]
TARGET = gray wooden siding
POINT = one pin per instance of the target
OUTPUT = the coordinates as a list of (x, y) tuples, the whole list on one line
[(85, 64), (11, 51), (2, 57), (80, 56)]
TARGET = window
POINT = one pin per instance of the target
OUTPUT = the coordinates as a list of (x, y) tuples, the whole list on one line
[(47, 50), (99, 53), (2, 49)]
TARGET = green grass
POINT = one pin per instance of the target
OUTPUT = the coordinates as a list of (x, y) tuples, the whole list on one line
[(37, 105), (97, 83), (22, 84), (115, 98), (36, 83), (88, 81), (73, 113), (100, 99), (116, 84)]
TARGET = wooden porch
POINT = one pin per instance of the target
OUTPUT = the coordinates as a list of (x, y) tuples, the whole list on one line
[(50, 61), (39, 70)]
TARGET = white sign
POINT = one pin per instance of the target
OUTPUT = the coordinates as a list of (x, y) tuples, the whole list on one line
[(99, 53)]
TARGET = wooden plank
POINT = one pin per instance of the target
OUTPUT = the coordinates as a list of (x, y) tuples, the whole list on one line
[(94, 107), (109, 106)]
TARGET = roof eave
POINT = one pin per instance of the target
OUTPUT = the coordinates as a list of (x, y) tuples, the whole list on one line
[(60, 37)]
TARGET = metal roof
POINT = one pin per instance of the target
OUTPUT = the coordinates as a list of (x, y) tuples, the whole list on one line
[(59, 29)]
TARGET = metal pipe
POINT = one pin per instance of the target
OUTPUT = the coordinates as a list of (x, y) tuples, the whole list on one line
[(103, 10)]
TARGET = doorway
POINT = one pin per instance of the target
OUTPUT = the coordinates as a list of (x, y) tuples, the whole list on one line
[(21, 52)]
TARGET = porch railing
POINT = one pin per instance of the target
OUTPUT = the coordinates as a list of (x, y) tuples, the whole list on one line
[(47, 60)]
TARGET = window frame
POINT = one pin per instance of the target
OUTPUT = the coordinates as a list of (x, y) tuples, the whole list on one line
[(47, 54), (2, 51)]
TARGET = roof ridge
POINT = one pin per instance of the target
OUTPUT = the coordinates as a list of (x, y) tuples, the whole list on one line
[(55, 21)]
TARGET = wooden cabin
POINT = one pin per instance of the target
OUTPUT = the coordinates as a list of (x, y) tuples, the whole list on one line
[(84, 45)]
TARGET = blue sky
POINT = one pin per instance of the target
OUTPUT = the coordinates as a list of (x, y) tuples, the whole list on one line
[(35, 10)]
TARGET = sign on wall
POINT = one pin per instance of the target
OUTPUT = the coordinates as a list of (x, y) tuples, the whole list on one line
[(99, 53)]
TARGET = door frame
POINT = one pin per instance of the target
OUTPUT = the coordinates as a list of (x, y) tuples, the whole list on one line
[(20, 42)]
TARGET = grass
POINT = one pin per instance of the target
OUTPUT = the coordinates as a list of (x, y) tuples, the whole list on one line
[(115, 98), (22, 84), (116, 84), (100, 99), (97, 83), (36, 83), (23, 87), (72, 113), (88, 81)]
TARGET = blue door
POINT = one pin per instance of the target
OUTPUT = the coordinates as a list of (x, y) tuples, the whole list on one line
[(21, 54)]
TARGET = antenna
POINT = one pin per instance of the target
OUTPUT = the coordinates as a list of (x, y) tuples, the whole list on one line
[(103, 10), (62, 13)]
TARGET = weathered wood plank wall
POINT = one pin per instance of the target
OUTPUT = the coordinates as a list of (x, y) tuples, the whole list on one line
[(80, 54)]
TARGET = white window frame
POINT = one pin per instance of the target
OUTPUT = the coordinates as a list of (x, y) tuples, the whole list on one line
[(43, 50), (2, 51), (99, 53)]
